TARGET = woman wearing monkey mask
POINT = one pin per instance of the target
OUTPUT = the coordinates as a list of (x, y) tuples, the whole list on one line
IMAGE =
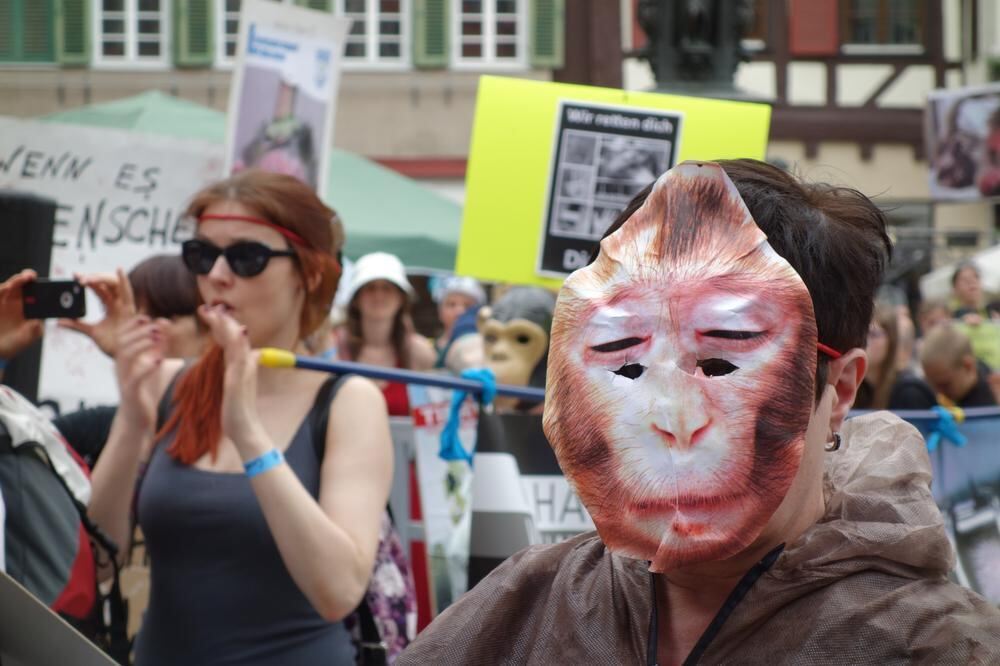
[(700, 371)]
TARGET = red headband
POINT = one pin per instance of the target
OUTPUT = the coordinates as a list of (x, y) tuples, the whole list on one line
[(829, 351), (287, 233)]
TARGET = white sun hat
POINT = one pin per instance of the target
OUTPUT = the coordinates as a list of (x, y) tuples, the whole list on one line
[(458, 284), (379, 266)]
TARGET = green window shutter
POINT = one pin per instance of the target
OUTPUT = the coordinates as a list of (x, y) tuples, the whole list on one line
[(430, 33), (8, 33), (193, 33), (322, 5), (547, 32), (26, 33), (73, 32), (38, 43)]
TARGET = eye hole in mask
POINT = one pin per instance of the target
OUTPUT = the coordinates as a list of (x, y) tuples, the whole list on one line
[(716, 367), (630, 370), (618, 345), (733, 335)]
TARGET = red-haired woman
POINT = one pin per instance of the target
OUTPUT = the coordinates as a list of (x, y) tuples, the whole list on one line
[(258, 544)]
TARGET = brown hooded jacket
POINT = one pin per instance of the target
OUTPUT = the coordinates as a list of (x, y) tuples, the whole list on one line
[(867, 584)]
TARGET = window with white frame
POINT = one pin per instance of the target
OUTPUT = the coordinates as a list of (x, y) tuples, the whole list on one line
[(489, 32), (133, 32), (227, 27), (379, 33), (882, 25)]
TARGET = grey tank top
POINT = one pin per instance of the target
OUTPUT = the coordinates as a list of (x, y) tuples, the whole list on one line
[(219, 590)]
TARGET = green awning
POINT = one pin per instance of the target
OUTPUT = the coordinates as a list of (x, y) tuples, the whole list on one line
[(382, 210)]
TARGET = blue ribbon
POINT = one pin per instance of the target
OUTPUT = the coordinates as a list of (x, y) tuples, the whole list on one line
[(945, 428), (451, 445)]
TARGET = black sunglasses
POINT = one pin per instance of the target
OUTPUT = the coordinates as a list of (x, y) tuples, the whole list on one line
[(245, 258)]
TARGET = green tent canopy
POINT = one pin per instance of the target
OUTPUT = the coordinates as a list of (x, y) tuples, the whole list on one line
[(382, 210)]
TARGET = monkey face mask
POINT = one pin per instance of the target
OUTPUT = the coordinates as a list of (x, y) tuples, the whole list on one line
[(680, 376)]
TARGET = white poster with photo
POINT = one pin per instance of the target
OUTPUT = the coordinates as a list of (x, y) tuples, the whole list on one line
[(121, 196), (284, 90), (602, 157), (445, 491), (963, 143)]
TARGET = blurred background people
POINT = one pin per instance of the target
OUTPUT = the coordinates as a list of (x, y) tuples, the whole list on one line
[(932, 311), (886, 385), (967, 290), (953, 371), (458, 299), (379, 328), (975, 315), (905, 351)]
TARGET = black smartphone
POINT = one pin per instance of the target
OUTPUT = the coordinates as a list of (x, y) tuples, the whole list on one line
[(47, 299)]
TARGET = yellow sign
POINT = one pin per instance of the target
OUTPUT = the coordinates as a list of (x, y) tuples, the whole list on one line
[(551, 164)]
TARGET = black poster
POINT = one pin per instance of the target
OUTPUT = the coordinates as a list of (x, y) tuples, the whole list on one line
[(603, 156)]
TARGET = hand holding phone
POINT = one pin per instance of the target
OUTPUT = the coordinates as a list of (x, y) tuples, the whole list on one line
[(49, 299), (16, 332)]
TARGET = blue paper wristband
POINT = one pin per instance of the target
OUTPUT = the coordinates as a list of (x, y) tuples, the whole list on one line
[(261, 464)]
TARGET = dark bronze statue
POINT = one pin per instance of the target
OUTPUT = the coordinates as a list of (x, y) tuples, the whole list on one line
[(694, 43)]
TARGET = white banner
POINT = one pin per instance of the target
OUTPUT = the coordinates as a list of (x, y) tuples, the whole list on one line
[(120, 199), (445, 491), (284, 91)]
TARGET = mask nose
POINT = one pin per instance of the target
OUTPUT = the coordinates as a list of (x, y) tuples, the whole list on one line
[(500, 351), (680, 417)]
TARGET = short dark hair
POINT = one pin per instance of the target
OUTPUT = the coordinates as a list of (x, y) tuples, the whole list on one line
[(164, 287), (962, 265), (834, 237)]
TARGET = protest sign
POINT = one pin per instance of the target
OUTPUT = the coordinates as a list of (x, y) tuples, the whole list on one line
[(531, 212), (604, 155), (963, 143), (120, 198), (445, 491), (284, 91)]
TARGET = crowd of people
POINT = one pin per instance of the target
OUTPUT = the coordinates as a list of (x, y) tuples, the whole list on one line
[(950, 356), (263, 529)]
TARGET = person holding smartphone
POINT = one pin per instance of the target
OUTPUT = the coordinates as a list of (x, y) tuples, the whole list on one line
[(258, 546), (16, 331)]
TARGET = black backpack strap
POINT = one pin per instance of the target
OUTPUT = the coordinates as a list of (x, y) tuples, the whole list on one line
[(167, 401), (319, 415)]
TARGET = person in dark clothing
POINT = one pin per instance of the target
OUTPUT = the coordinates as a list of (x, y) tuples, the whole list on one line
[(86, 430), (700, 371), (165, 291), (885, 387), (953, 370)]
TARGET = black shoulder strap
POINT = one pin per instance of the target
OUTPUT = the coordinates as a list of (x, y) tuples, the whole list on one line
[(319, 415), (167, 401), (372, 651)]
